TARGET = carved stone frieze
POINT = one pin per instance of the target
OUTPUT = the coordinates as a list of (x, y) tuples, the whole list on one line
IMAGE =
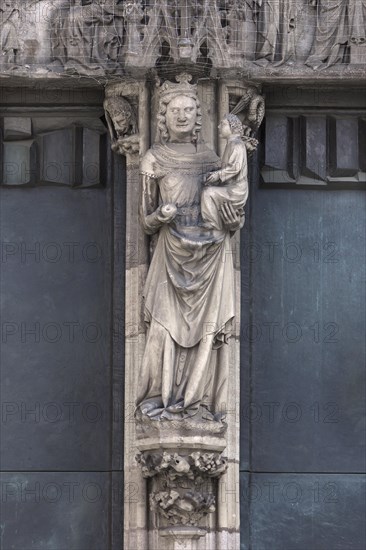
[(111, 37), (87, 36), (332, 34), (276, 25), (133, 14), (183, 488), (219, 33)]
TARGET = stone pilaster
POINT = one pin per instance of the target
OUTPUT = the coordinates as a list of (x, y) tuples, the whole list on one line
[(181, 476)]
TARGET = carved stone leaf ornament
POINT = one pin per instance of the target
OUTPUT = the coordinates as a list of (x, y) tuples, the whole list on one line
[(183, 490)]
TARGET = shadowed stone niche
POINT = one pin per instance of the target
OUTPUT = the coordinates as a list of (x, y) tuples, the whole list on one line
[(185, 205)]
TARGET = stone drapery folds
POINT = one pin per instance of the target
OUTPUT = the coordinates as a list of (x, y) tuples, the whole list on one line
[(9, 27), (189, 300)]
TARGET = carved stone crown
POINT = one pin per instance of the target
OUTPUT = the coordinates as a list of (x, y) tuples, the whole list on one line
[(169, 90)]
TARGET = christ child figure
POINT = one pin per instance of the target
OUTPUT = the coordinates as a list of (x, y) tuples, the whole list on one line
[(233, 176)]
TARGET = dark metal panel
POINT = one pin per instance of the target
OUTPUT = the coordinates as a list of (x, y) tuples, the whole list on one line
[(306, 303), (308, 511), (58, 511), (308, 311), (343, 147), (56, 329), (313, 147), (244, 495), (62, 363)]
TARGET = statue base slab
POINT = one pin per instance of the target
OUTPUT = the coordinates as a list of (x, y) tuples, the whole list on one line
[(194, 428), (190, 533)]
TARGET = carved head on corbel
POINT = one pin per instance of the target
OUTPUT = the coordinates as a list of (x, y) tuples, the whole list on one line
[(122, 124)]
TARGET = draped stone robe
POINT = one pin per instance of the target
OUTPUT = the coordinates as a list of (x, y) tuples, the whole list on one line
[(9, 43), (276, 21), (331, 33), (357, 17), (189, 291)]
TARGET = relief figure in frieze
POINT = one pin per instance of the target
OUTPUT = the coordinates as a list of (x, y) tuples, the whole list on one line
[(88, 34), (9, 43), (276, 25), (357, 18), (331, 35)]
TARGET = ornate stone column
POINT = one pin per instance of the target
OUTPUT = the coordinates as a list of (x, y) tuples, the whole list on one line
[(181, 452)]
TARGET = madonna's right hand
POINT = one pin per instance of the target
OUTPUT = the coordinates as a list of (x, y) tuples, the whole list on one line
[(167, 213)]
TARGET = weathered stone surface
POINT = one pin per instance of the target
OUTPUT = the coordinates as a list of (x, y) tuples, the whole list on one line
[(182, 491)]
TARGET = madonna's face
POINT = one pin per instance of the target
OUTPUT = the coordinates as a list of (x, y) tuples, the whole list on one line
[(181, 118)]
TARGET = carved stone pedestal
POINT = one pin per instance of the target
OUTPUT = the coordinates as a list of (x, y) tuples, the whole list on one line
[(182, 461), (182, 487)]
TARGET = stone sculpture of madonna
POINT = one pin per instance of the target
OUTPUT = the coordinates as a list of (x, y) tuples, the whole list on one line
[(189, 291)]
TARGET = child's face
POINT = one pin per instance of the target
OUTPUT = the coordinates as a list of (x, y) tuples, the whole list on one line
[(224, 129)]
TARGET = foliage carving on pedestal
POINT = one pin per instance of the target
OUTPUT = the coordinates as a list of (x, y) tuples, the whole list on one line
[(183, 489)]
